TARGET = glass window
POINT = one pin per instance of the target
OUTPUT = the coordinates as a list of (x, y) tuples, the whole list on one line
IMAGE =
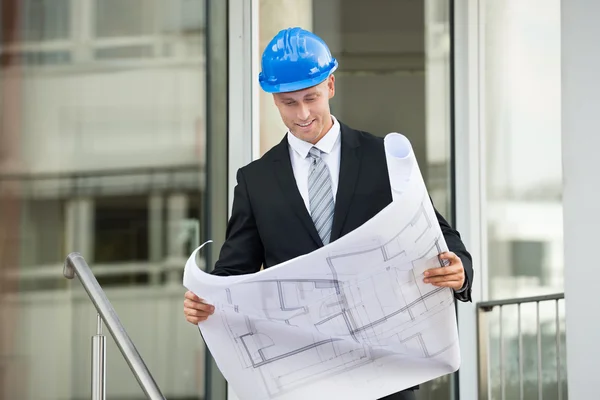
[(42, 217), (183, 16), (109, 30), (41, 22), (393, 76), (114, 18), (161, 28), (528, 258), (521, 78), (124, 18), (45, 20), (523, 159), (121, 229), (110, 165)]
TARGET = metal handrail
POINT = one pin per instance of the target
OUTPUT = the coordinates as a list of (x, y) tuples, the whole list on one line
[(489, 305), (76, 264), (483, 309)]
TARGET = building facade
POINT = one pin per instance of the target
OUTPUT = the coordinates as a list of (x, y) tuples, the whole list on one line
[(124, 123)]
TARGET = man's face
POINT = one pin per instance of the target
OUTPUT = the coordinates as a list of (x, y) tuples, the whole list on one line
[(306, 112)]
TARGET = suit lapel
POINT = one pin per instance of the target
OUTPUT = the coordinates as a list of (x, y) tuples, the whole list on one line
[(287, 182), (349, 168)]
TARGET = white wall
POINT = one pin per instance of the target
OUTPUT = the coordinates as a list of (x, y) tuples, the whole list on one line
[(580, 141)]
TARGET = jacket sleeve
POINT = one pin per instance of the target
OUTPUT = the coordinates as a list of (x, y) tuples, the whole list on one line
[(455, 245), (242, 252)]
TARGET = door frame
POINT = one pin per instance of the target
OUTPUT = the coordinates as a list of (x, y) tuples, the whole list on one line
[(470, 177)]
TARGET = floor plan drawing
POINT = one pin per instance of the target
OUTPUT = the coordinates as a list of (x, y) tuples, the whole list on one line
[(355, 313)]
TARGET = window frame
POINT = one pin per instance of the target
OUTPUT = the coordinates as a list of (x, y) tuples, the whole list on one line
[(469, 168)]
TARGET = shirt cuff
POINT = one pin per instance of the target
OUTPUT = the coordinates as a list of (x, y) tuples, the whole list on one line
[(463, 288)]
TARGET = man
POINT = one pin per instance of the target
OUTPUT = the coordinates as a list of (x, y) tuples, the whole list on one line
[(322, 181)]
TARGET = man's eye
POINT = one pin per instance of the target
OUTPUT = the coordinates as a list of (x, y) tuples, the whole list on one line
[(310, 99), (289, 103)]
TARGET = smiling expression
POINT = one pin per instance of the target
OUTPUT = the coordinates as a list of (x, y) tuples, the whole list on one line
[(306, 112)]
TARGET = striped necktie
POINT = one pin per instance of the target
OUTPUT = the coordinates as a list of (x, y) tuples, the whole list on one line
[(320, 195)]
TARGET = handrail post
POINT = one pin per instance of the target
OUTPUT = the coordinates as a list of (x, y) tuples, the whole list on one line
[(482, 347), (76, 265), (99, 363)]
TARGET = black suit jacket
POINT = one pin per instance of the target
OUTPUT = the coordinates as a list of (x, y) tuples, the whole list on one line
[(270, 224)]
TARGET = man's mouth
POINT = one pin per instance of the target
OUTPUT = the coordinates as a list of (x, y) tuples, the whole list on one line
[(306, 125)]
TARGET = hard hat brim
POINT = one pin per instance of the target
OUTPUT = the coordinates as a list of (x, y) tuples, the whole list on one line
[(299, 85)]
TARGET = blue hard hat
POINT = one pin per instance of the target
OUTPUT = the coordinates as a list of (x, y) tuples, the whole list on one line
[(295, 59)]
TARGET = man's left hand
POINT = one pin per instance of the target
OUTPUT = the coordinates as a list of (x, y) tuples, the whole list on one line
[(452, 275)]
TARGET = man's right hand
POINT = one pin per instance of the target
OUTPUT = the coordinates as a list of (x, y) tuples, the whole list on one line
[(195, 309)]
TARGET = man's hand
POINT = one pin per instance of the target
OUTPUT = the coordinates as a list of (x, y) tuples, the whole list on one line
[(195, 309), (452, 275)]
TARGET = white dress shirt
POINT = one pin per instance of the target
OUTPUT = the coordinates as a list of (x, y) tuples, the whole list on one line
[(330, 144)]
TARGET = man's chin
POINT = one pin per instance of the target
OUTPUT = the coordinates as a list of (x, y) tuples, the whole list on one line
[(311, 136)]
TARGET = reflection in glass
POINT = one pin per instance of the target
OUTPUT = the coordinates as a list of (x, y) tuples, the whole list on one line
[(522, 80), (124, 17), (45, 20), (522, 123), (393, 76), (524, 357), (101, 152)]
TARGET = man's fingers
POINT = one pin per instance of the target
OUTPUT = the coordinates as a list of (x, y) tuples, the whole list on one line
[(190, 295), (447, 278), (195, 320), (194, 314), (448, 255), (452, 275), (190, 312), (442, 271), (195, 309), (198, 306), (452, 284)]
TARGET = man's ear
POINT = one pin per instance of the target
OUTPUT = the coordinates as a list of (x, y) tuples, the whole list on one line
[(331, 86)]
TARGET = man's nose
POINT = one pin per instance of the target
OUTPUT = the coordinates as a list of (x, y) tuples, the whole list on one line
[(303, 112)]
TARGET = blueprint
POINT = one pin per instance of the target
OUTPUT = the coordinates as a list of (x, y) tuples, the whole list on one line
[(352, 320)]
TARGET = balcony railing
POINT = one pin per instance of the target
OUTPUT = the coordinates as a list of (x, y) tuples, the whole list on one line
[(521, 348), (75, 265)]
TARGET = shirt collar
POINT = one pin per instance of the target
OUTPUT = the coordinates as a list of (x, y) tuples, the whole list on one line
[(325, 144)]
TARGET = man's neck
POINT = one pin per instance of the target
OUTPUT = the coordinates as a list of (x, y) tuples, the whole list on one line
[(326, 129)]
